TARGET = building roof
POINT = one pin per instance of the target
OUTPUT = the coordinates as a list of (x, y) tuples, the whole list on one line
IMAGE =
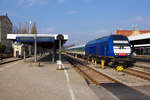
[(144, 31), (43, 40), (124, 32), (139, 37), (129, 32), (14, 36), (5, 16), (1, 17)]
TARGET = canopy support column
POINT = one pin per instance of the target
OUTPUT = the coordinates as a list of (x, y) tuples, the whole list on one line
[(54, 53), (35, 49), (59, 50), (24, 53)]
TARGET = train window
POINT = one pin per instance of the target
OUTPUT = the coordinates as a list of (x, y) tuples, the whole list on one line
[(119, 37), (121, 42)]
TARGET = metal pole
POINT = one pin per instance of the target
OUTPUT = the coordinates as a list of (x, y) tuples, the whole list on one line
[(49, 55), (53, 55), (24, 54), (35, 49), (60, 50), (29, 50)]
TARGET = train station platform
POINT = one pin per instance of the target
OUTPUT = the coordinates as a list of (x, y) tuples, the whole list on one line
[(21, 81)]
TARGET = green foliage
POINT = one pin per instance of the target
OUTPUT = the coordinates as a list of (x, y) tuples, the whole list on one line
[(33, 29)]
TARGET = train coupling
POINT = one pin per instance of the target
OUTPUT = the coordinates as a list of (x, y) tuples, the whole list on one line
[(119, 68)]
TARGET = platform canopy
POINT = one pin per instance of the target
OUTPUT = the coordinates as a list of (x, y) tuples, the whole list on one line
[(43, 40), (142, 40)]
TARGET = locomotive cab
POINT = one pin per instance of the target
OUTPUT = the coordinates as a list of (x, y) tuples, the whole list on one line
[(121, 47), (122, 52)]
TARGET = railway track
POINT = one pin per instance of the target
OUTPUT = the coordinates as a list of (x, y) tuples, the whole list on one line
[(94, 76), (119, 89), (144, 67), (143, 75), (91, 75)]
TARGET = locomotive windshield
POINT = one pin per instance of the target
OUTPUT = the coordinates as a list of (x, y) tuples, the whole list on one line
[(121, 46), (119, 37), (119, 40)]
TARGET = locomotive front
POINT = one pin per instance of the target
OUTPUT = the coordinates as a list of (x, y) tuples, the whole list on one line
[(122, 51), (121, 46)]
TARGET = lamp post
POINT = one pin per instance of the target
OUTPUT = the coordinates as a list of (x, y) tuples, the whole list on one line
[(60, 37), (60, 50), (29, 30)]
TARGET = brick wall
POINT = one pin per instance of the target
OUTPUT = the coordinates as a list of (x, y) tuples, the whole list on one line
[(5, 28)]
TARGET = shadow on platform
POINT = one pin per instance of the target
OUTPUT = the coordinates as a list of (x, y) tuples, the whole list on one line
[(48, 59)]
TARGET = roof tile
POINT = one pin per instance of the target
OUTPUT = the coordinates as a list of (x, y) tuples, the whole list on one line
[(129, 32)]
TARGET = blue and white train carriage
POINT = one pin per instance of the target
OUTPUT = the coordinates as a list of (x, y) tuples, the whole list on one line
[(78, 50)]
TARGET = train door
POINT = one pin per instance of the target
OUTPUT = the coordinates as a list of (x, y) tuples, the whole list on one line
[(17, 54)]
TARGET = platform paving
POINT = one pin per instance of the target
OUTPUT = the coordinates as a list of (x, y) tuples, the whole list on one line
[(20, 81)]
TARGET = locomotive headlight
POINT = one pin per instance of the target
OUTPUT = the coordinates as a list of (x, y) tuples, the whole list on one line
[(128, 54), (116, 54)]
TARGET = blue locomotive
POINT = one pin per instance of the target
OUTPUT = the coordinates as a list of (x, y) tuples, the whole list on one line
[(114, 49)]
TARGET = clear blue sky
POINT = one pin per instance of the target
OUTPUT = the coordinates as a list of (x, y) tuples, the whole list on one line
[(82, 20)]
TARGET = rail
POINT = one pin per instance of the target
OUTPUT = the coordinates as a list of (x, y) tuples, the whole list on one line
[(92, 75), (136, 73)]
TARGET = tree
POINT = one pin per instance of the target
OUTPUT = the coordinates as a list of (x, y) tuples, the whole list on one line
[(33, 29), (20, 28), (23, 29), (15, 30)]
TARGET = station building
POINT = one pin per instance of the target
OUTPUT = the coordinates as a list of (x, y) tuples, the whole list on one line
[(5, 28), (139, 39), (17, 49)]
